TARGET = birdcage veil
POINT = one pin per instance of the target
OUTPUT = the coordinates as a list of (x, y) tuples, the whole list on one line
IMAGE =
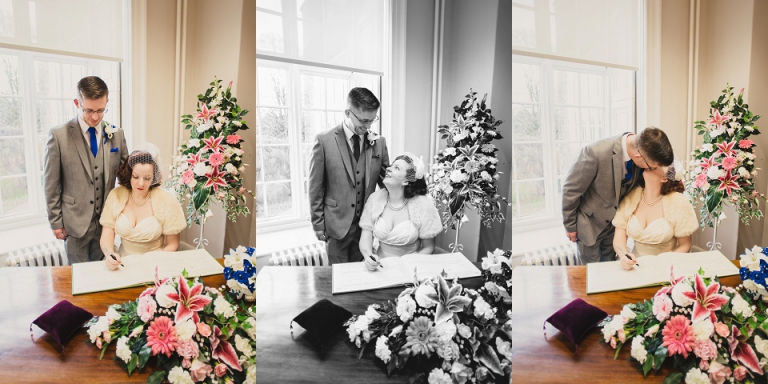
[(147, 153), (418, 170), (675, 171)]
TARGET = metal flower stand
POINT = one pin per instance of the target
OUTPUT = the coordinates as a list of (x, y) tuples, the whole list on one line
[(201, 242)]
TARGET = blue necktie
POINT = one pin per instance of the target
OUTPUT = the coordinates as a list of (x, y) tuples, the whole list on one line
[(629, 170), (94, 142)]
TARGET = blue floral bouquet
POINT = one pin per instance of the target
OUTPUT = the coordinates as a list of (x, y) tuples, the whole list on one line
[(240, 272)]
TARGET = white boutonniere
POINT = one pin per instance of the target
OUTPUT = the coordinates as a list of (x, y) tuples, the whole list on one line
[(372, 137), (109, 129)]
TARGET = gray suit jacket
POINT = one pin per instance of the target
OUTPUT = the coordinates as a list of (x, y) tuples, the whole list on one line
[(69, 189), (592, 189), (331, 180)]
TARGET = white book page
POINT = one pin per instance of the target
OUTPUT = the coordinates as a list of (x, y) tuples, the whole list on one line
[(139, 269), (429, 266), (354, 277), (654, 270)]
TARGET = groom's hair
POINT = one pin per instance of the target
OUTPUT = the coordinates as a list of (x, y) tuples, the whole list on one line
[(91, 88), (363, 99), (654, 143)]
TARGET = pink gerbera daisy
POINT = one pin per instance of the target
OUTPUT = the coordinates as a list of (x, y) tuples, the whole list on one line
[(729, 163), (216, 159), (746, 143), (161, 336), (233, 139), (421, 337), (678, 336)]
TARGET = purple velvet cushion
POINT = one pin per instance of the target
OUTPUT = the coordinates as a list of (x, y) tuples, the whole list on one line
[(576, 319), (322, 320), (62, 320)]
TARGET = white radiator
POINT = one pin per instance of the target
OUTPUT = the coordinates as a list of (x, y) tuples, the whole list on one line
[(47, 254), (312, 255), (564, 254)]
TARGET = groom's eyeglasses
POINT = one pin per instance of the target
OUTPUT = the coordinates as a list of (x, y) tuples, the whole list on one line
[(649, 168), (364, 122)]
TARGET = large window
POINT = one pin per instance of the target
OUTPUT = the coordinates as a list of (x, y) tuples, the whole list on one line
[(36, 93), (558, 108), (309, 54), (294, 103)]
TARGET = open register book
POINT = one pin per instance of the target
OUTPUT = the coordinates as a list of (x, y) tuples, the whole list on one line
[(654, 270), (397, 271), (140, 269)]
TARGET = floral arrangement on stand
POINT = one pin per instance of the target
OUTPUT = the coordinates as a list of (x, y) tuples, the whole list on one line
[(711, 333), (722, 170), (194, 333), (240, 273), (210, 164), (441, 332), (464, 174)]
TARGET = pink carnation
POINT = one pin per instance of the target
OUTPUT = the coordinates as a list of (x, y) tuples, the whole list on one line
[(147, 307), (729, 163), (701, 179), (662, 306), (718, 373), (187, 177), (234, 139), (706, 349), (746, 143), (187, 349)]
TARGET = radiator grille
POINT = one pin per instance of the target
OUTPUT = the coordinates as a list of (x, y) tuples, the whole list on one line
[(564, 254), (47, 254), (312, 255)]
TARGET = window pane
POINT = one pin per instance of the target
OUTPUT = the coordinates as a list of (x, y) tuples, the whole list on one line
[(10, 117), (279, 199), (272, 127), (567, 123), (306, 157), (12, 153), (591, 89), (269, 32), (9, 73), (259, 162), (50, 113), (528, 162), (312, 91), (566, 155), (523, 27), (47, 79), (272, 83), (592, 123), (7, 23), (525, 83), (337, 90), (276, 163), (312, 123), (566, 86), (532, 198), (14, 195), (526, 122)]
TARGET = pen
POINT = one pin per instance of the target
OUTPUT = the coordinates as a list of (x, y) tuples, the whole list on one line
[(112, 256), (371, 257), (627, 256)]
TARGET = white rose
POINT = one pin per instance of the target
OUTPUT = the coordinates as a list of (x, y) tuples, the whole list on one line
[(161, 295), (743, 172), (178, 375), (741, 306), (405, 307), (244, 345), (703, 329), (714, 172), (457, 176), (186, 329), (222, 307), (450, 151), (231, 168), (706, 147), (424, 294), (201, 169), (696, 376), (677, 294)]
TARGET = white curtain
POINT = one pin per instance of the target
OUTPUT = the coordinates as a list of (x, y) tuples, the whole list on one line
[(595, 31), (86, 28)]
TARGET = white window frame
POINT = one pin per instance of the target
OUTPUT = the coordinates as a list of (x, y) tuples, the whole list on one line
[(553, 202), (34, 160)]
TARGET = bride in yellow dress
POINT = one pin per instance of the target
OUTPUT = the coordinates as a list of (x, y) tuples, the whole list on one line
[(400, 218), (146, 218), (656, 215)]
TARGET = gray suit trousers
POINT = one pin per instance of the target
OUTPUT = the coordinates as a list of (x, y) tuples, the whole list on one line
[(87, 247), (602, 250)]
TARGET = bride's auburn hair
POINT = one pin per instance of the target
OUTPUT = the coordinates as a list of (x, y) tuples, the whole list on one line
[(667, 187)]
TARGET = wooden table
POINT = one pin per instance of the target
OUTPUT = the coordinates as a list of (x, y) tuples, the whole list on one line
[(549, 357), (25, 293), (282, 293)]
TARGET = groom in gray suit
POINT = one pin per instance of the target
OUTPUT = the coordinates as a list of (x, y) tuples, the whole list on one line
[(81, 161), (604, 172), (347, 163)]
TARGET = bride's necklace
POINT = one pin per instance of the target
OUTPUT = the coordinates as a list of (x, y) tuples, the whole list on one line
[(142, 203), (392, 207), (650, 204)]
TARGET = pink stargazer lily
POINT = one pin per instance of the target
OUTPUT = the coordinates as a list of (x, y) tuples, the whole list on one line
[(158, 283), (727, 183), (724, 148), (672, 282), (718, 119), (709, 162), (742, 351), (212, 143), (189, 301), (194, 159), (206, 113), (222, 349), (215, 179), (706, 300)]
